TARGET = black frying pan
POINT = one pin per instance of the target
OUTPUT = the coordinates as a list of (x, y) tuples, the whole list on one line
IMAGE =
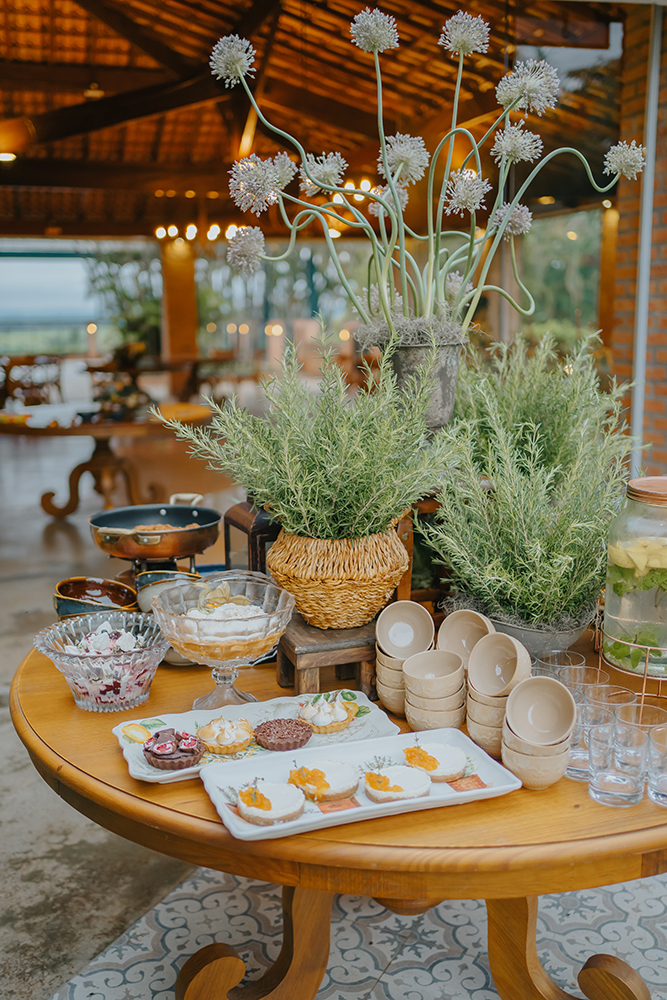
[(193, 530)]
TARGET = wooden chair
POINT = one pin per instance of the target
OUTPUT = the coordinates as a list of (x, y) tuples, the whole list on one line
[(30, 378)]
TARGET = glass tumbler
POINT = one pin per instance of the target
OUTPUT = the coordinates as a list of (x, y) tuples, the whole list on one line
[(642, 715), (577, 678), (608, 695), (588, 717), (617, 764), (657, 765), (549, 663)]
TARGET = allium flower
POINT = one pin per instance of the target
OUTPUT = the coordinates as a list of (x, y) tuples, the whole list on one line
[(285, 169), (408, 153), (515, 145), (463, 33), (232, 58), (465, 192), (535, 83), (626, 160), (519, 222), (327, 171), (375, 208), (245, 249), (374, 31), (374, 297), (254, 184), (453, 283)]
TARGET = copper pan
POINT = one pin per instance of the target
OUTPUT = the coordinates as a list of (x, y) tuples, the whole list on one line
[(116, 534)]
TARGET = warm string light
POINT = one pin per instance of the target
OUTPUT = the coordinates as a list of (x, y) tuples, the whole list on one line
[(191, 231), (172, 230), (91, 328), (7, 157), (571, 235), (606, 203)]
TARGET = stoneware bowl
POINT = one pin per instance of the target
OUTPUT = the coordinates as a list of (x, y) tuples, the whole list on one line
[(495, 701), (434, 674), (82, 595), (541, 711), (497, 664), (393, 699), (514, 742), (153, 582), (404, 628), (485, 715), (387, 661), (461, 631), (453, 701), (535, 772), (388, 677), (489, 738), (420, 719)]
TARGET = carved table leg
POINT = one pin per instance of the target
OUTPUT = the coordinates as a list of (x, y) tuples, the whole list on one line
[(519, 975), (213, 972), (104, 466)]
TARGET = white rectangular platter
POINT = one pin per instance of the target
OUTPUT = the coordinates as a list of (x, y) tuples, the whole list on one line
[(221, 781), (369, 723)]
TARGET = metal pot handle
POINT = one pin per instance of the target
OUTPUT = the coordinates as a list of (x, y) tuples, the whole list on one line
[(190, 499), (143, 538)]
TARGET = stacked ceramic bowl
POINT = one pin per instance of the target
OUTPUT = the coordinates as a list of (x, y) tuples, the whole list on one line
[(461, 631), (402, 630), (498, 664), (537, 731), (434, 690)]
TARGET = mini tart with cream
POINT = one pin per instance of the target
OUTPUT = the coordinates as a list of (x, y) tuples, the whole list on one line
[(388, 784), (226, 735), (326, 780), (439, 760), (326, 716), (266, 803)]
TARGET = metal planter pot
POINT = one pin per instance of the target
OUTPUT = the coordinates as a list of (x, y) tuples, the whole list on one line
[(406, 360)]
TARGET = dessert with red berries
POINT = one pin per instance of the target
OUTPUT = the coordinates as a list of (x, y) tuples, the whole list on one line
[(172, 750)]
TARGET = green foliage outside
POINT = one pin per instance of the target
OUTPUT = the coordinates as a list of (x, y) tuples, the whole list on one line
[(129, 285), (328, 466), (538, 455)]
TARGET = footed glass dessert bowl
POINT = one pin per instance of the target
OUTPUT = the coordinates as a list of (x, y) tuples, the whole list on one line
[(108, 658), (227, 621)]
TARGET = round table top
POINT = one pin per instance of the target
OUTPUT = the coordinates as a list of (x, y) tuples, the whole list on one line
[(191, 413), (524, 843)]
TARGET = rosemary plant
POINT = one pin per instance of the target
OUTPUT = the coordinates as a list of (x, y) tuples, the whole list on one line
[(325, 465), (538, 451), (403, 300)]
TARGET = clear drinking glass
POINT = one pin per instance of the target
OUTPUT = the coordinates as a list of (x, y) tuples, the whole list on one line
[(641, 715), (588, 716), (608, 695), (549, 663), (617, 764), (657, 765), (577, 678)]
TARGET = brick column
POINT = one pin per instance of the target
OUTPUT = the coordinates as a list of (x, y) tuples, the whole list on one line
[(633, 97)]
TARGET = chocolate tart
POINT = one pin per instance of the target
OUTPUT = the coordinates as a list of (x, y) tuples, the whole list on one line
[(283, 734), (171, 750)]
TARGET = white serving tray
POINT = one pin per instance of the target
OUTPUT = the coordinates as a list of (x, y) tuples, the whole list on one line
[(222, 781), (369, 723)]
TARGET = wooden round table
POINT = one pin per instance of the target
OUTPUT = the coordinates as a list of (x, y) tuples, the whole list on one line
[(506, 850)]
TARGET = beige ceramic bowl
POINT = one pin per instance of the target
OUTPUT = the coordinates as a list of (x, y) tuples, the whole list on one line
[(489, 738), (515, 743), (420, 719), (393, 699), (453, 701), (461, 631), (434, 674), (497, 664), (485, 715), (404, 628), (389, 677), (541, 711), (387, 661), (535, 772), (485, 699)]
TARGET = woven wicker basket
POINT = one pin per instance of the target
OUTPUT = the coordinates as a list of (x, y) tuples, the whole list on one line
[(339, 583)]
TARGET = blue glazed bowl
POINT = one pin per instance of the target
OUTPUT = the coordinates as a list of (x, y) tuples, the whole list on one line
[(83, 595)]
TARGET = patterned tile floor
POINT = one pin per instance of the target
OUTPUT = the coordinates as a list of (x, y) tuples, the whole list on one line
[(377, 955)]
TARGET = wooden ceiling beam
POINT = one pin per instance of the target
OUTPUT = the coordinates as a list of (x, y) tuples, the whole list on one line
[(56, 173), (66, 78), (163, 54)]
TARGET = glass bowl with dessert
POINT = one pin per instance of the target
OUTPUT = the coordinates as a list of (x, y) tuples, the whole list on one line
[(108, 658), (227, 621)]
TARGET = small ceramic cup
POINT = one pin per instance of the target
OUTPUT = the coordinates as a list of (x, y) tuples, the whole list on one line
[(485, 715), (461, 631), (535, 772), (419, 719), (497, 664), (388, 677), (541, 711), (448, 704), (393, 699), (404, 628), (515, 743), (433, 674), (489, 738)]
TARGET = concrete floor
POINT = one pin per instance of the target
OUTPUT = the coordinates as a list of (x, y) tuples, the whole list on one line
[(69, 887)]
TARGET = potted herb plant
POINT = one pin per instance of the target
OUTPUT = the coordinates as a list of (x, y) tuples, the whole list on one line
[(337, 472), (538, 451)]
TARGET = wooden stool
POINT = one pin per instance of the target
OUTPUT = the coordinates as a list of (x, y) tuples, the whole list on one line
[(303, 649), (260, 529)]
